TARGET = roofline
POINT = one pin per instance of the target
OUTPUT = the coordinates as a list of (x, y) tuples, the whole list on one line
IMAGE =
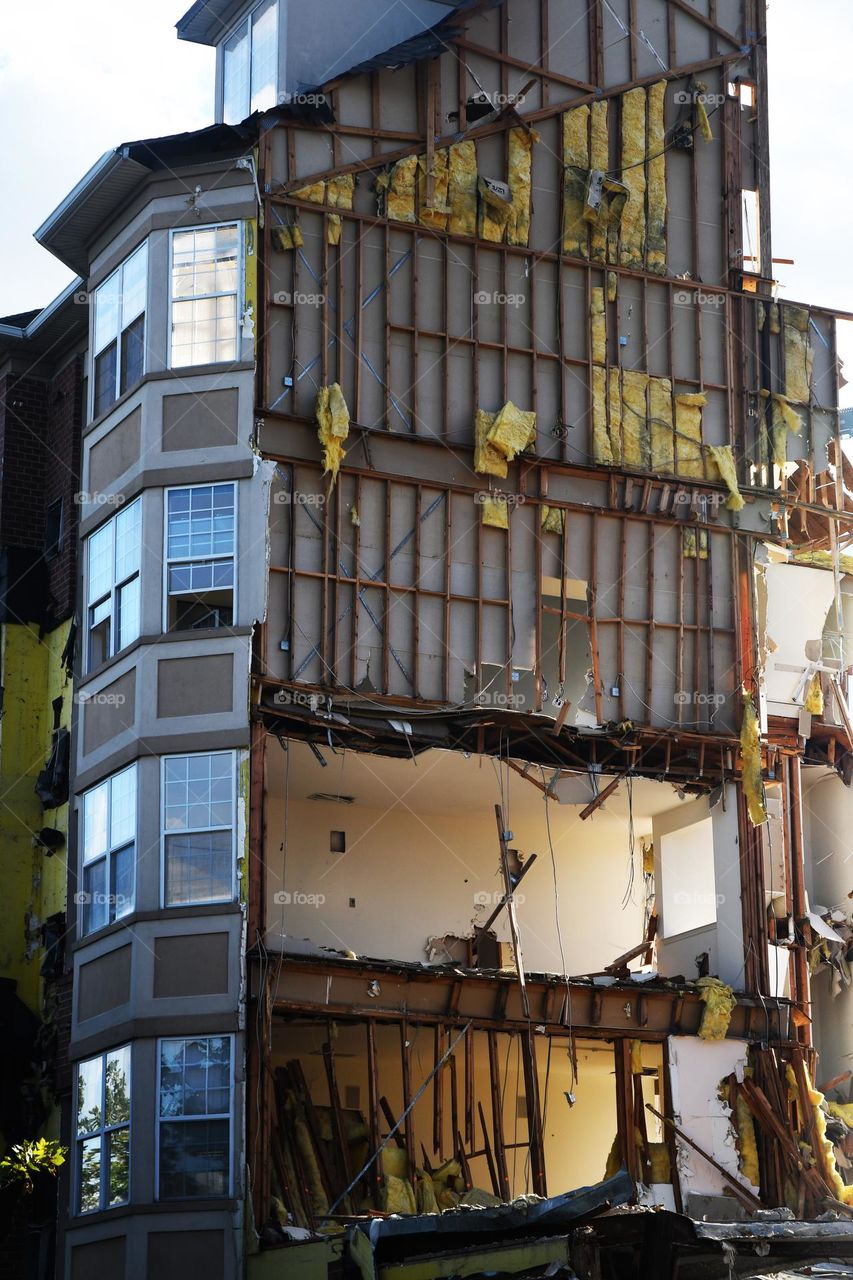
[(87, 184), (31, 330)]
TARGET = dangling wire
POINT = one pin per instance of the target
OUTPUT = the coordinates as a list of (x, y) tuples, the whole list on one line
[(629, 889)]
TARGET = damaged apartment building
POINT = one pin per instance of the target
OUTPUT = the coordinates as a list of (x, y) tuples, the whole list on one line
[(458, 870)]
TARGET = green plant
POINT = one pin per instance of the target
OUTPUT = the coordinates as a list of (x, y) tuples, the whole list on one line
[(27, 1160)]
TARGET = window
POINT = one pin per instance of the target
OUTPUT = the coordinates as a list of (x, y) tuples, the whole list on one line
[(688, 882), (205, 282), (194, 1147), (200, 527), (198, 828), (112, 602), (119, 340), (54, 529), (250, 64), (109, 850), (103, 1131)]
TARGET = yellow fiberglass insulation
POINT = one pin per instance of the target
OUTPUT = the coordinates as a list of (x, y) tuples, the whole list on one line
[(785, 419), (746, 1144), (333, 423), (284, 238), (552, 519), (599, 158), (462, 189), (841, 1110), (719, 1001), (656, 200), (725, 464), (614, 407), (635, 422), (750, 747), (575, 171), (814, 696), (520, 152), (397, 1195), (494, 213), (614, 1160), (308, 1156), (602, 450), (339, 192), (425, 1193), (634, 177), (694, 543), (495, 511), (816, 1098), (660, 412), (659, 1162), (433, 207), (487, 460), (315, 194), (598, 326), (702, 121), (400, 200), (512, 430), (636, 1057), (823, 560), (799, 356), (688, 435), (612, 286)]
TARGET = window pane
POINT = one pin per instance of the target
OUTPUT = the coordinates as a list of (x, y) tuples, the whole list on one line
[(123, 877), (123, 807), (128, 535), (119, 1177), (117, 1083), (94, 898), (194, 1156), (198, 791), (199, 868), (100, 562), (105, 379), (235, 77), (128, 614), (133, 285), (95, 821), (132, 354), (107, 303), (89, 1082), (264, 56), (90, 1175)]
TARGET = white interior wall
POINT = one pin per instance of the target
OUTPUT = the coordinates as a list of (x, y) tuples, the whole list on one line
[(421, 859), (696, 1069)]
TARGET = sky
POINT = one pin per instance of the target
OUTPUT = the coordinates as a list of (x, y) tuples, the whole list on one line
[(76, 80)]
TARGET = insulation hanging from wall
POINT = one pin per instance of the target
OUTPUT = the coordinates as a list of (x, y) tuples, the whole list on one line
[(284, 238), (575, 171), (634, 177), (750, 746), (495, 511), (462, 189), (660, 412), (694, 544), (495, 208), (520, 158), (399, 187), (512, 431), (333, 423), (784, 418), (434, 211), (488, 461), (315, 194), (719, 1001), (599, 158), (339, 194), (602, 448), (636, 450), (724, 461), (656, 148), (799, 356), (688, 434), (552, 519), (598, 328)]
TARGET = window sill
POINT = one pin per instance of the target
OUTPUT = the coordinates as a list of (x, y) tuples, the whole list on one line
[(226, 1204), (83, 678), (165, 913), (158, 375)]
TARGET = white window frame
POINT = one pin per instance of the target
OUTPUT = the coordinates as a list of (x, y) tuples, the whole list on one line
[(160, 1119), (119, 272), (168, 561), (111, 850), (239, 292), (244, 29), (103, 1133), (180, 755), (116, 587)]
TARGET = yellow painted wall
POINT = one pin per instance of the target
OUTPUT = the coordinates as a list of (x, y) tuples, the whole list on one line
[(34, 884)]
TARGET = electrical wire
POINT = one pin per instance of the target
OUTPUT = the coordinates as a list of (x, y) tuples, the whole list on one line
[(569, 1012)]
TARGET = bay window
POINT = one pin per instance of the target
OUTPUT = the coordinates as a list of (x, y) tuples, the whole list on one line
[(194, 1117), (200, 532), (250, 64), (198, 828), (113, 555), (205, 323), (102, 1131), (109, 850), (119, 333)]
